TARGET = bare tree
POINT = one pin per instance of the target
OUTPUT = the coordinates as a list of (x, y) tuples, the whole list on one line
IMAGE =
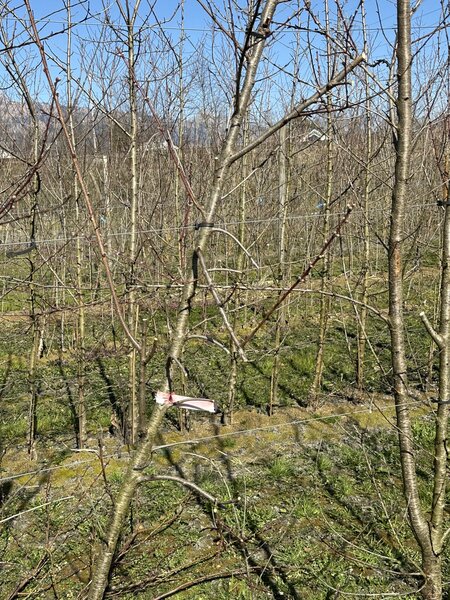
[(248, 58), (427, 530), (80, 334), (15, 71)]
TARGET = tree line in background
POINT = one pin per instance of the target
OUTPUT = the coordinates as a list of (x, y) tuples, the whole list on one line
[(257, 213)]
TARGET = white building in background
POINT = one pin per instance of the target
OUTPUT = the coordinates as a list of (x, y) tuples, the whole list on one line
[(315, 135)]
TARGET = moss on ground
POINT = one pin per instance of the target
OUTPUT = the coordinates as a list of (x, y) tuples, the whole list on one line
[(310, 511)]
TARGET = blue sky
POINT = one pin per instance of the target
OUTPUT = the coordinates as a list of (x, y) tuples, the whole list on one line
[(381, 20), (381, 13), (54, 10), (378, 13)]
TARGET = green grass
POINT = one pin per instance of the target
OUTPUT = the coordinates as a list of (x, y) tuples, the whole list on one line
[(312, 497), (280, 468), (318, 513)]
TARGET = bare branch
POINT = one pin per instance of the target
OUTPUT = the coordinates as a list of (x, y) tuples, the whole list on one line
[(209, 339), (247, 253), (80, 177), (188, 484), (301, 278), (299, 109), (220, 306), (432, 331)]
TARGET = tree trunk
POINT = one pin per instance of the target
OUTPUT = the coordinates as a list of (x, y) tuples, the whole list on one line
[(142, 456), (133, 412), (432, 589), (282, 214), (227, 415), (80, 334), (432, 569), (325, 301), (362, 317)]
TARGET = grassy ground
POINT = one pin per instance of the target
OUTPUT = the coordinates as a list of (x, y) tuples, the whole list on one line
[(313, 503), (317, 507)]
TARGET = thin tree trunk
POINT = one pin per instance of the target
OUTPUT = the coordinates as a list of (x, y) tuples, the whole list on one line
[(33, 385), (362, 319), (37, 333), (432, 589), (227, 415), (143, 361), (178, 213), (80, 334), (282, 214), (132, 308), (107, 199), (142, 456), (325, 301), (432, 560)]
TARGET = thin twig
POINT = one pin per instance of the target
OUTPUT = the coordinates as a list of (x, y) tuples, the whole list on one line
[(299, 110), (79, 173), (220, 306), (432, 331), (188, 484), (220, 230), (199, 581), (31, 576), (301, 277), (23, 512), (210, 339)]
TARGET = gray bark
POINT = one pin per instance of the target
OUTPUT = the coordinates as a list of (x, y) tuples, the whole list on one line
[(432, 588), (142, 456)]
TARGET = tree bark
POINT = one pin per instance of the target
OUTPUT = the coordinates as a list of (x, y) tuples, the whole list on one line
[(325, 302), (362, 317), (283, 195), (142, 456), (80, 335), (432, 589)]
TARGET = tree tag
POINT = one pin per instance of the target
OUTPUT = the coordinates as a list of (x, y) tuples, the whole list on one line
[(185, 402)]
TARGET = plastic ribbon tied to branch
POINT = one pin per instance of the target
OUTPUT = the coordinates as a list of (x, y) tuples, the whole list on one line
[(185, 402)]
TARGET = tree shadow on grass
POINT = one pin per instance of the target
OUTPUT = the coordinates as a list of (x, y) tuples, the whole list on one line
[(5, 384), (69, 394), (114, 402), (5, 490), (352, 532), (361, 523), (253, 548), (287, 391), (256, 550)]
